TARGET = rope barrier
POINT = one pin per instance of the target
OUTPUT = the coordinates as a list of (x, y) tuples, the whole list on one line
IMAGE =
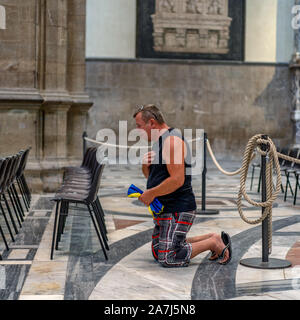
[(272, 160), (125, 147), (252, 148)]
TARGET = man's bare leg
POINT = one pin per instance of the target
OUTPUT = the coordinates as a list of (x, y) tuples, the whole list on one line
[(199, 238), (213, 243)]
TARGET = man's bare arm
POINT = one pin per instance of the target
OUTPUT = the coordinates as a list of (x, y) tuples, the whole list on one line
[(173, 154), (147, 159), (145, 169)]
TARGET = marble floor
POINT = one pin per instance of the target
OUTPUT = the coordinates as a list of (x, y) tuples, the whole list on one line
[(79, 270)]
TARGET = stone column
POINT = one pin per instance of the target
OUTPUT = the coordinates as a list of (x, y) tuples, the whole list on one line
[(295, 69), (2, 17), (76, 75), (43, 103)]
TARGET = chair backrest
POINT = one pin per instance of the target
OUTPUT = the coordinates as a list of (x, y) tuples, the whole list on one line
[(13, 169), (17, 164), (87, 157), (284, 151), (297, 165), (95, 184), (91, 159), (3, 164), (294, 154), (7, 172), (23, 161)]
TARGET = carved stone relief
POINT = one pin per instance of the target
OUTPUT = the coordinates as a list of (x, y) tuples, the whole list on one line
[(196, 26)]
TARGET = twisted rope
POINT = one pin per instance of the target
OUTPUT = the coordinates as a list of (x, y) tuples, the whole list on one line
[(272, 160)]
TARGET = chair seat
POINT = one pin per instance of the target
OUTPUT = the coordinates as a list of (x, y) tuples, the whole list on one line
[(70, 196), (77, 180), (76, 183), (255, 164), (80, 185), (76, 169), (290, 170), (76, 186), (73, 190), (78, 176)]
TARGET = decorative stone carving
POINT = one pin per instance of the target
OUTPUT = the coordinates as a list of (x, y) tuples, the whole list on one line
[(194, 26), (167, 5)]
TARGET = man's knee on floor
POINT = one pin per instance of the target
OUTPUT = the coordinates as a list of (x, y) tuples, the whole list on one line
[(173, 258), (154, 250), (165, 259), (164, 263)]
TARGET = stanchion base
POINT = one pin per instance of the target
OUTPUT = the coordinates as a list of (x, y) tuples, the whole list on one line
[(210, 211), (271, 264)]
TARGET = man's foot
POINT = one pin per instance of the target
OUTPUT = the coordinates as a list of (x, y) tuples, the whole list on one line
[(227, 251), (225, 256), (214, 256)]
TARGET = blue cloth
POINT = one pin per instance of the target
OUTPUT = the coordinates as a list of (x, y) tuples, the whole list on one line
[(155, 207)]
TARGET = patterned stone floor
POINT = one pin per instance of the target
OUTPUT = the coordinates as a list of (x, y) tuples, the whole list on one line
[(80, 272)]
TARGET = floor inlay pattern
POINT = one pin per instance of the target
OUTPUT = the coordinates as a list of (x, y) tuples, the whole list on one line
[(80, 272)]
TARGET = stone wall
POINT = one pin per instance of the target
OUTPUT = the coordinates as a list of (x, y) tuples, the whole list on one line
[(43, 103), (231, 101)]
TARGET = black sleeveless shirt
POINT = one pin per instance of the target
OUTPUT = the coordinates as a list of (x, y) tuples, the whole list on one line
[(183, 198)]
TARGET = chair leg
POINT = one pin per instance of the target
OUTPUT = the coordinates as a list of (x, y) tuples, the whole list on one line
[(23, 195), (4, 239), (296, 188), (290, 187), (54, 229), (65, 216), (27, 191), (287, 174), (101, 213), (26, 200), (62, 216), (15, 210), (18, 201), (10, 214), (100, 224), (101, 217), (259, 182), (6, 222), (285, 190), (20, 210), (98, 203), (252, 176), (99, 237), (26, 186)]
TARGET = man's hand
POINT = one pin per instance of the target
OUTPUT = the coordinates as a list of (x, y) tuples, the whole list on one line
[(147, 197)]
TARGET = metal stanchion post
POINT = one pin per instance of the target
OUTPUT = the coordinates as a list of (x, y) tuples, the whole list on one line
[(203, 200), (84, 135), (265, 262), (265, 224)]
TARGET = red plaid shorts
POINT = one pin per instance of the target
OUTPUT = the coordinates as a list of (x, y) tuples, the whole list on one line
[(169, 246)]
